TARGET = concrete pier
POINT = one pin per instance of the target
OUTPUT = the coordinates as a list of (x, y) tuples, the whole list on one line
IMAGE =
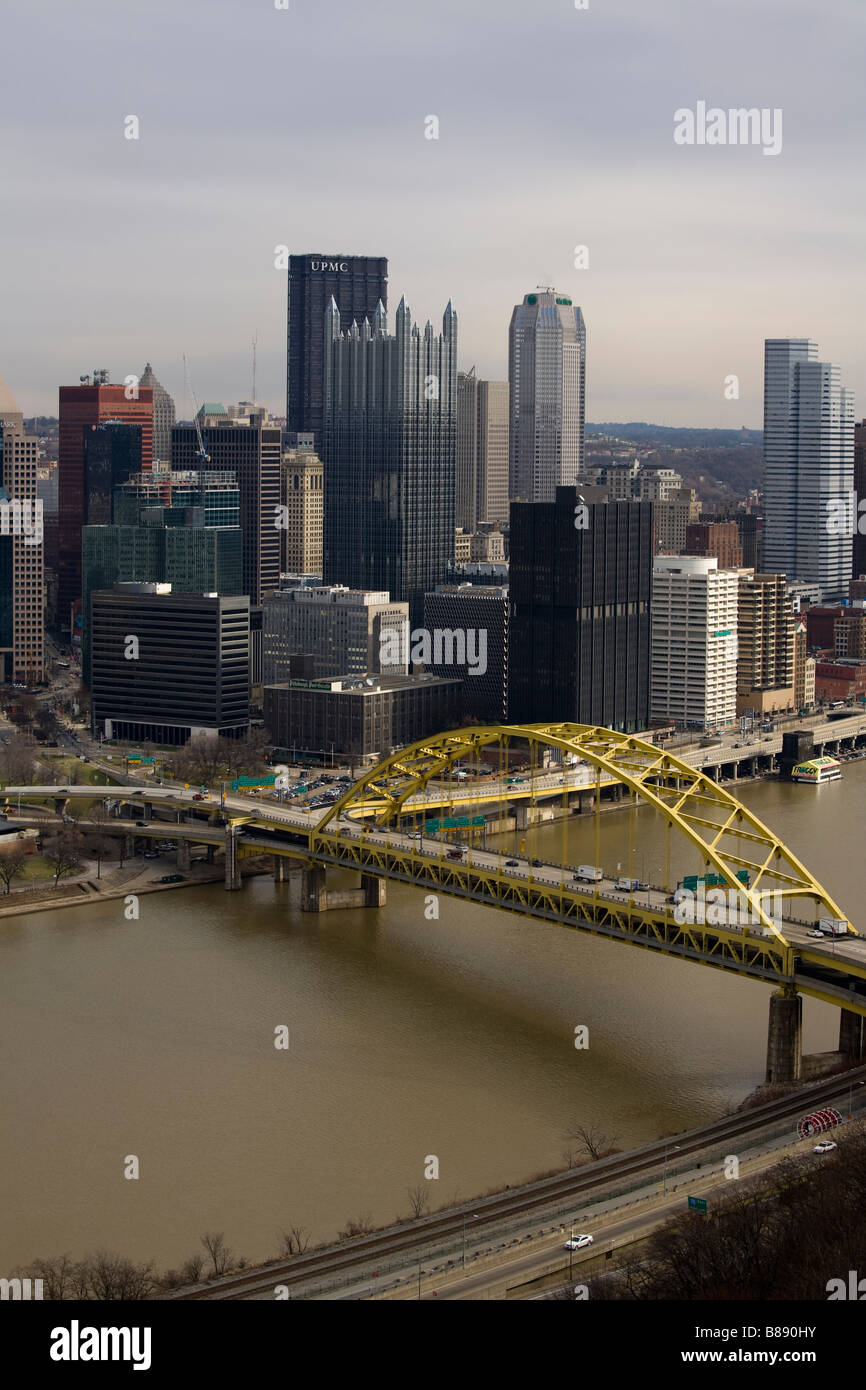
[(316, 897), (851, 1039), (233, 868), (785, 1037), (182, 853)]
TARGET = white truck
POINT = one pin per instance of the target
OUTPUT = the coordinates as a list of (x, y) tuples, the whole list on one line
[(628, 885), (833, 926), (589, 873)]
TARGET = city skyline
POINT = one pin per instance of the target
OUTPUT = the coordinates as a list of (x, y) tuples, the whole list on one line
[(704, 244)]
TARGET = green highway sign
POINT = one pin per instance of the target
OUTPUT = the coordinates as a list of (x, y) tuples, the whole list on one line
[(431, 826), (698, 1203), (477, 820)]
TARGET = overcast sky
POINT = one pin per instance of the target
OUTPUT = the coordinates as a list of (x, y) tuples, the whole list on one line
[(306, 127)]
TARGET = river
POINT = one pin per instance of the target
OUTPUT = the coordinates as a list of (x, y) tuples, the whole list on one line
[(408, 1038)]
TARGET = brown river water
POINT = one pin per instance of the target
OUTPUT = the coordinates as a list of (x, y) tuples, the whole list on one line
[(408, 1038)]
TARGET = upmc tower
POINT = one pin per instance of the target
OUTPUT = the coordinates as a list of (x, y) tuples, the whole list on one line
[(357, 283)]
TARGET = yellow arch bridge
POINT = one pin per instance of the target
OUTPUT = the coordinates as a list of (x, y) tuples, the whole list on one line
[(749, 908)]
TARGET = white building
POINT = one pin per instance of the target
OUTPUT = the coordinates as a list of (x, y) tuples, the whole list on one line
[(693, 646), (809, 458)]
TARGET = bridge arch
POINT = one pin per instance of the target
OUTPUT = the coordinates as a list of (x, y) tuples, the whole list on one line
[(727, 834)]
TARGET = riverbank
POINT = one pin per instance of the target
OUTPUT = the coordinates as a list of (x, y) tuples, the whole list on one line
[(95, 890)]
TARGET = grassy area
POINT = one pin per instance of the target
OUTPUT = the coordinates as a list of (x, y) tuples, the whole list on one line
[(37, 870), (64, 768)]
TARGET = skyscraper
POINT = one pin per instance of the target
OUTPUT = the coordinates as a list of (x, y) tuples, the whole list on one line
[(858, 560), (22, 656), (112, 454), (809, 458), (390, 454), (250, 450), (80, 408), (579, 631), (694, 641), (482, 451), (163, 415), (301, 493), (356, 284), (547, 377)]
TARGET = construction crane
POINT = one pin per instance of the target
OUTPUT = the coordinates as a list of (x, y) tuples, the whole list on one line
[(203, 455)]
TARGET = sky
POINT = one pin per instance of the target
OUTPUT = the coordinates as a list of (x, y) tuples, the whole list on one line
[(305, 127)]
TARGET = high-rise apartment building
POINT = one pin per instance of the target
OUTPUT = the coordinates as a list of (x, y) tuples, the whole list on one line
[(390, 452), (804, 670), (765, 644), (82, 407), (251, 450), (164, 416), (809, 459), (302, 497), (482, 451), (357, 284), (547, 380), (694, 641), (22, 586), (579, 628), (341, 632)]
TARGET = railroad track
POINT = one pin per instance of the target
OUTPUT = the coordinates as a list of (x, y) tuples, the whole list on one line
[(579, 1183)]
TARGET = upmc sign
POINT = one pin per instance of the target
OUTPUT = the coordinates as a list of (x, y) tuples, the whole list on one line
[(330, 265)]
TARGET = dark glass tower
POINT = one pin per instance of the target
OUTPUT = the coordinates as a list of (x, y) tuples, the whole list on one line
[(390, 455), (579, 631), (356, 284), (112, 453)]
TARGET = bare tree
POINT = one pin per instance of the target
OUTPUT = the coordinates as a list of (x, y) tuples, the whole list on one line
[(12, 864), (592, 1141), (63, 852), (24, 711), (18, 759), (418, 1200), (59, 1278), (220, 1255), (294, 1241), (361, 1226), (107, 1277), (100, 847)]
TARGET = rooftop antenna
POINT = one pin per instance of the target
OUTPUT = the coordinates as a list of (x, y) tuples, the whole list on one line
[(255, 340)]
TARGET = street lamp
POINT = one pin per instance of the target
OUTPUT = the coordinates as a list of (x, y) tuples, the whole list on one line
[(675, 1149), (465, 1219)]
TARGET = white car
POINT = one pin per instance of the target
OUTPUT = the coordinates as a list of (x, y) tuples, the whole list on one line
[(824, 1147), (578, 1242), (815, 934)]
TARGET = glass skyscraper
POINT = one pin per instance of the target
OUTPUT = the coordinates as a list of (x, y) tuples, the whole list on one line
[(390, 454), (356, 284), (809, 461), (547, 376)]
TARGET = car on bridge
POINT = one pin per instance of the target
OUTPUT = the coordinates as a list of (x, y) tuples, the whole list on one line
[(578, 1242), (512, 863)]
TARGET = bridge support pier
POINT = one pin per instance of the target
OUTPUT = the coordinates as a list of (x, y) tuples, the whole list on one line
[(211, 851), (375, 890), (315, 897), (233, 867), (279, 868), (182, 854), (785, 1037), (586, 802), (851, 1039)]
